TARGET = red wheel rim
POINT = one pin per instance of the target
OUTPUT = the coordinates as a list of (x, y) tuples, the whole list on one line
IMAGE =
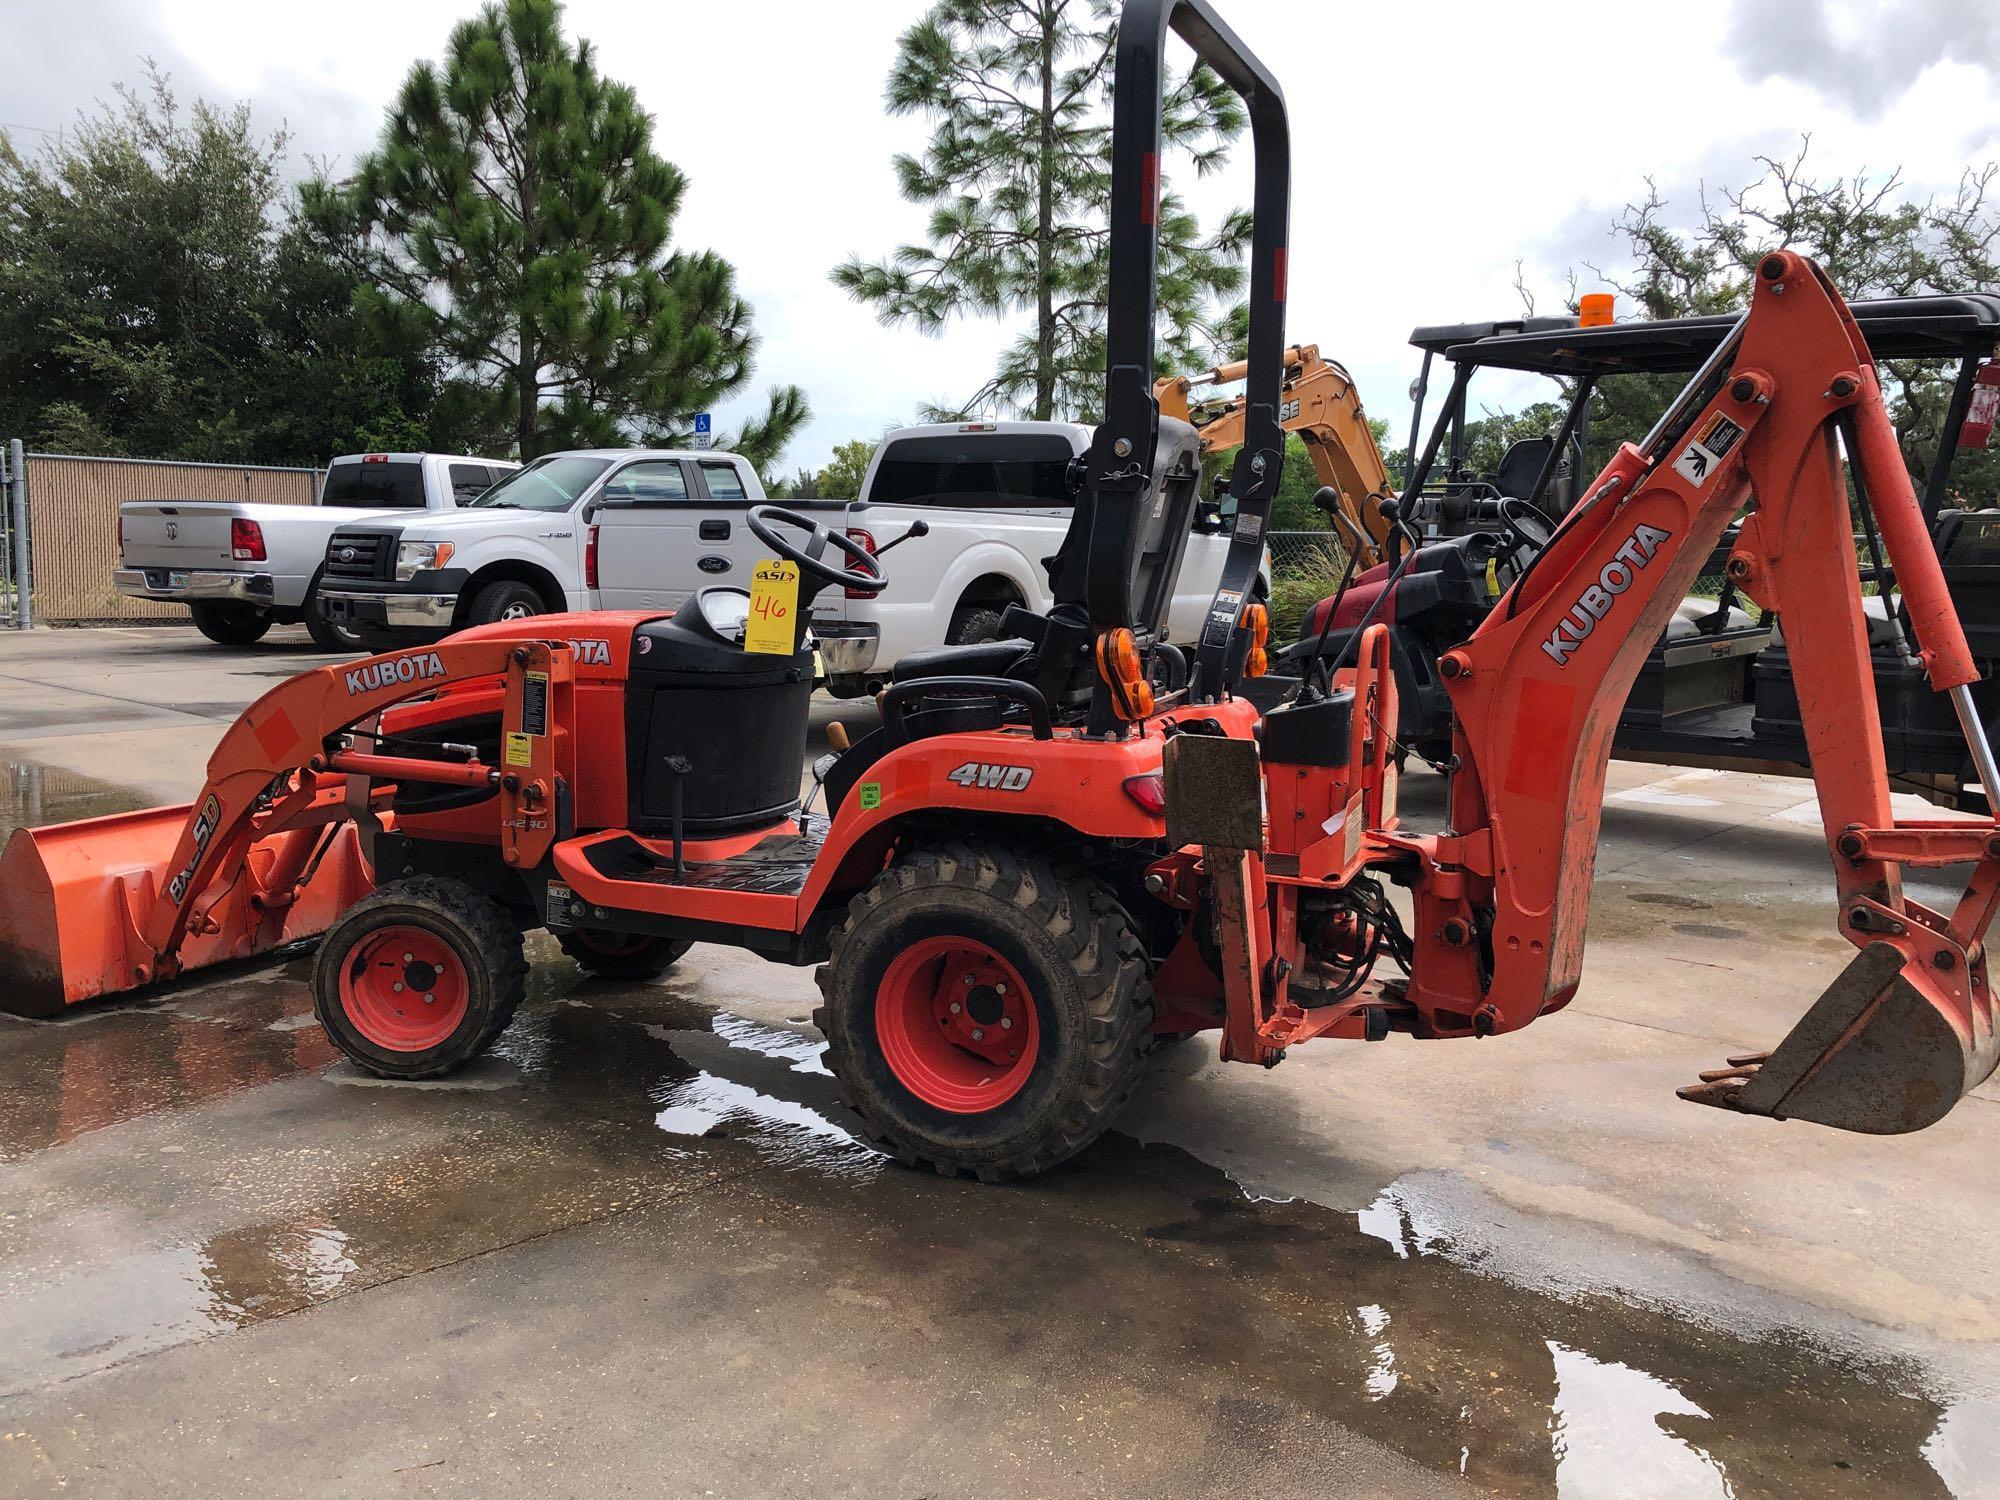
[(957, 1026), (404, 989)]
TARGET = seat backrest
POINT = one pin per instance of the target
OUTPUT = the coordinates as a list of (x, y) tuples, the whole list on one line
[(1122, 553), (1522, 466)]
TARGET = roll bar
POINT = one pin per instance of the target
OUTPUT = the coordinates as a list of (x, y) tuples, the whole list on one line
[(1122, 451)]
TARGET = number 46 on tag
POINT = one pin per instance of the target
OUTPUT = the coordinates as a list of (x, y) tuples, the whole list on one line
[(774, 609)]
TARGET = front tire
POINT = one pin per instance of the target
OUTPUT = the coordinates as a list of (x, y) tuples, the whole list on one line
[(613, 955), (985, 1012), (505, 600), (419, 978), (231, 624), (325, 634)]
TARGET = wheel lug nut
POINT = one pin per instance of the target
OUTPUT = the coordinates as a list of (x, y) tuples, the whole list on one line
[(956, 1007), (430, 999), (968, 981), (399, 986), (409, 958), (999, 989), (978, 1035), (1006, 1023)]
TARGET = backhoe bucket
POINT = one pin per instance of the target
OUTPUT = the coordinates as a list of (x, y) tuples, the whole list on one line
[(73, 897), (1876, 1053)]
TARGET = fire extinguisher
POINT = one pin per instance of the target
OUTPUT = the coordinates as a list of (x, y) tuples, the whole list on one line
[(1984, 412)]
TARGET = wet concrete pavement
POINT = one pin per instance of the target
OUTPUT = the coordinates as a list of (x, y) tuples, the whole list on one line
[(643, 1249)]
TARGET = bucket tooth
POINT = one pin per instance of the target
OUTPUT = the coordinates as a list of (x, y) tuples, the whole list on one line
[(1876, 1053)]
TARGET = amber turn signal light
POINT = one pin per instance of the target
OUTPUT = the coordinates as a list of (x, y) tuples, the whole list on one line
[(1124, 673)]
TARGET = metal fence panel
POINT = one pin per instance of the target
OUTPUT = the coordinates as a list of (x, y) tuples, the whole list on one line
[(73, 523)]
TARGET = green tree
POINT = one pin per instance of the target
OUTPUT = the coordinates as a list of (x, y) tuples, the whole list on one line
[(154, 302), (516, 217), (1016, 176), (1874, 241), (841, 478)]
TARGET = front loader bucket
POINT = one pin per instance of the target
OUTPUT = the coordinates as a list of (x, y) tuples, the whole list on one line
[(74, 896), (1876, 1053)]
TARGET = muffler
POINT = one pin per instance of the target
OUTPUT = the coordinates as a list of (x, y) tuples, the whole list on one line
[(1879, 1052)]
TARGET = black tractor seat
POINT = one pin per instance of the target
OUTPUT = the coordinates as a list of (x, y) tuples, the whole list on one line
[(975, 659)]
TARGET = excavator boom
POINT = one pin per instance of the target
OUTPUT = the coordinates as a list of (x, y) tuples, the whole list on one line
[(1500, 898), (1319, 402)]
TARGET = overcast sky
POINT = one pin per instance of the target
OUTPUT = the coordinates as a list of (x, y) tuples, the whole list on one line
[(1435, 144)]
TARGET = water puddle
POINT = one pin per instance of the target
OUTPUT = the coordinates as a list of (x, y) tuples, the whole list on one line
[(32, 795), (1405, 1321)]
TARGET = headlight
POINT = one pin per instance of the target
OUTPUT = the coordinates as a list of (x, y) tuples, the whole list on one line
[(413, 558)]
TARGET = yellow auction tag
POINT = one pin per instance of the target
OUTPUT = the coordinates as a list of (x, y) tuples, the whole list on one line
[(774, 609)]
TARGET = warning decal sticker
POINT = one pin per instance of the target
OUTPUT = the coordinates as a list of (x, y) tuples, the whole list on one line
[(1704, 454)]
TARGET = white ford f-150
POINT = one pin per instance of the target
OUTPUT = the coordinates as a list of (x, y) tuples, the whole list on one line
[(646, 528), (242, 568)]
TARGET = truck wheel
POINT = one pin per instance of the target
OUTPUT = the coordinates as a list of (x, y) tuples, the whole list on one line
[(419, 978), (620, 955), (971, 624), (985, 1012), (325, 634), (231, 624), (505, 600)]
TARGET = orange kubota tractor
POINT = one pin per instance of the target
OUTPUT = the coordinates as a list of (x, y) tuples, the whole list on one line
[(1037, 863)]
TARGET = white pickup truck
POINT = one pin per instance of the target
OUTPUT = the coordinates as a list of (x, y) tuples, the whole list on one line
[(645, 528), (996, 496), (242, 568)]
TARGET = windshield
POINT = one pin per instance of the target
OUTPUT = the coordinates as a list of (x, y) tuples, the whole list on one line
[(551, 483)]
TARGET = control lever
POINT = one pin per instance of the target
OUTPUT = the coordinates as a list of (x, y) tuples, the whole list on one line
[(917, 528)]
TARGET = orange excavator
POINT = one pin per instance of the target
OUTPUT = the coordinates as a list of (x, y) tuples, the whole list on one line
[(1317, 400), (1051, 852)]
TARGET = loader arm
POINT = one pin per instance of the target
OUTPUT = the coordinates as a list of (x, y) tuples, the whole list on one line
[(1538, 689), (1319, 402), (273, 846)]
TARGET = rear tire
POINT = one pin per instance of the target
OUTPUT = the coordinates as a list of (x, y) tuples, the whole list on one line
[(962, 919), (610, 955), (231, 624), (507, 599), (419, 978), (325, 634), (973, 623)]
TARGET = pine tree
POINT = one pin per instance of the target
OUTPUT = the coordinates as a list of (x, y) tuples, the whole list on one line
[(1017, 177), (516, 216)]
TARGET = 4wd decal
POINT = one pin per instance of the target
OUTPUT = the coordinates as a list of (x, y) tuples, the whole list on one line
[(985, 776), (204, 830), (1595, 602), (420, 667)]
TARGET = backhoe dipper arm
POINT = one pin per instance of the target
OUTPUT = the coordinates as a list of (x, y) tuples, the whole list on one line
[(1319, 402), (1538, 690), (273, 784)]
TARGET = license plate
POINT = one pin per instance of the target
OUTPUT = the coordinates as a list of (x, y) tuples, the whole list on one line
[(177, 580)]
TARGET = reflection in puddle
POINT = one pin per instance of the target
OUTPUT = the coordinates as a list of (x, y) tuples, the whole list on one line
[(32, 795), (1610, 1436)]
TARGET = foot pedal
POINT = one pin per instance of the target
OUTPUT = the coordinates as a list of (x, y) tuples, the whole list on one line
[(1875, 1054)]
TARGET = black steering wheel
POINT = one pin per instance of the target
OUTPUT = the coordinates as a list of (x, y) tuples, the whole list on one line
[(865, 575), (1529, 528)]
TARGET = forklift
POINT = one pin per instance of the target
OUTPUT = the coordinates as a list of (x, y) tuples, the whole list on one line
[(1041, 860)]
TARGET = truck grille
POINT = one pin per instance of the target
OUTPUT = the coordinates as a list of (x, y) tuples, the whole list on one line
[(361, 554)]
